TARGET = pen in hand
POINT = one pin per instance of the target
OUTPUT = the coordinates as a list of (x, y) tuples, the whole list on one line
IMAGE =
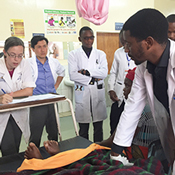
[(3, 91), (6, 98)]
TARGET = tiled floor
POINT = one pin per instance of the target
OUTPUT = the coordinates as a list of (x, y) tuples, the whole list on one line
[(68, 131)]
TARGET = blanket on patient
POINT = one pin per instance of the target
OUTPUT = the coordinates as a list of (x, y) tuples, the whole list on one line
[(98, 162)]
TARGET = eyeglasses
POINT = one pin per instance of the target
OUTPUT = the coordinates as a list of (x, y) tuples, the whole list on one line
[(90, 37), (14, 56)]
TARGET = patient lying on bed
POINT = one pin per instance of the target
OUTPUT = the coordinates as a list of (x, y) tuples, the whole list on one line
[(32, 151), (94, 159)]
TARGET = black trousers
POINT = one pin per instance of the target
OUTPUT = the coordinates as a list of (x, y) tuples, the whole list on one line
[(11, 139), (115, 115), (41, 116), (98, 131)]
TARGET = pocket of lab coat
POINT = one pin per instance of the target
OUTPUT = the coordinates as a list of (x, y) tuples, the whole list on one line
[(18, 84), (119, 89), (3, 85), (1, 78), (79, 96), (101, 94)]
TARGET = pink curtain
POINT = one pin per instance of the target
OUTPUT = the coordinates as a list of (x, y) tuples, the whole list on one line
[(95, 11)]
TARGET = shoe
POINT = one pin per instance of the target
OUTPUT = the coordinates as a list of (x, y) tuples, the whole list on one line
[(122, 159)]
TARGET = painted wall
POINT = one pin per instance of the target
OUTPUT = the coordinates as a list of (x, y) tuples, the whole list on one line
[(31, 11), (167, 7), (120, 11), (32, 14)]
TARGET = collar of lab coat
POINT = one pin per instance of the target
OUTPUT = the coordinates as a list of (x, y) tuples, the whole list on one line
[(34, 66), (171, 72), (170, 76), (172, 53), (5, 73), (92, 51)]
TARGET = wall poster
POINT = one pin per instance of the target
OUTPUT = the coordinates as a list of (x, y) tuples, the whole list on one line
[(17, 28), (59, 22)]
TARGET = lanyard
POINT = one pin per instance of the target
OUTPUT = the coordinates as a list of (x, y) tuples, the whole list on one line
[(129, 59)]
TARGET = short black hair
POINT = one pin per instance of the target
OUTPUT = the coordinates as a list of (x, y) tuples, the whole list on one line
[(148, 22), (35, 40), (13, 41), (84, 28), (171, 18)]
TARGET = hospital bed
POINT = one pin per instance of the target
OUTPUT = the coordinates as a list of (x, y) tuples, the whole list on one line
[(12, 162), (97, 160)]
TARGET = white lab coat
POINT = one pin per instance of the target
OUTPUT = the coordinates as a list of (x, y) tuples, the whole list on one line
[(142, 89), (56, 68), (96, 64), (21, 79), (118, 72)]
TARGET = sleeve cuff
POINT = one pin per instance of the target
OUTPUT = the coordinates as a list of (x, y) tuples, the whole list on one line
[(117, 149), (92, 81), (28, 84)]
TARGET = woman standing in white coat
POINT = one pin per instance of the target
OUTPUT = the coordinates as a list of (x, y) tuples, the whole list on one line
[(88, 69), (15, 81)]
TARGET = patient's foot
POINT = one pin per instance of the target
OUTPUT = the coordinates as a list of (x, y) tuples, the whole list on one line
[(32, 152), (52, 147)]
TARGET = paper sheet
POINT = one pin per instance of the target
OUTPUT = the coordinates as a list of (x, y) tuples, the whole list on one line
[(36, 97)]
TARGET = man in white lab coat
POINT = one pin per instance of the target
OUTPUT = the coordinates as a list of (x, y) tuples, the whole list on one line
[(145, 34), (88, 69), (47, 74), (15, 81), (120, 66)]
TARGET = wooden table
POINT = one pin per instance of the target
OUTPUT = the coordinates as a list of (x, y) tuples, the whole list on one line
[(28, 104)]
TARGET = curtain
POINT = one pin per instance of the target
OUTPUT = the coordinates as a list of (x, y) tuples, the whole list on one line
[(95, 11)]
